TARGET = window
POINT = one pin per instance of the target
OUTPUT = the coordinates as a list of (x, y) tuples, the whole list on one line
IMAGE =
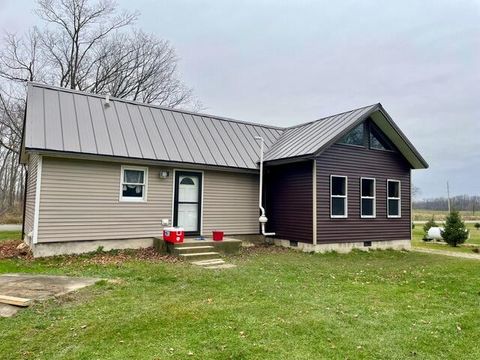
[(393, 198), (133, 184), (338, 196), (355, 136), (377, 140), (367, 197)]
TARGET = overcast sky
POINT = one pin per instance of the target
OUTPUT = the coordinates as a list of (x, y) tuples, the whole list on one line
[(285, 62)]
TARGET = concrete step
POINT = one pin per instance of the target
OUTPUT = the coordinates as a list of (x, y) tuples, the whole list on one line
[(200, 255), (208, 262), (220, 266), (194, 243), (192, 249)]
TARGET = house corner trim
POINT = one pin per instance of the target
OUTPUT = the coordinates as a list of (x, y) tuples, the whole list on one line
[(314, 201), (37, 199)]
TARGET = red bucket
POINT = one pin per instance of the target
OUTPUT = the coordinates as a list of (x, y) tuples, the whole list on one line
[(217, 235)]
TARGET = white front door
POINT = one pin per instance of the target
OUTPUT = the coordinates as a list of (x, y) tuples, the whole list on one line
[(187, 201)]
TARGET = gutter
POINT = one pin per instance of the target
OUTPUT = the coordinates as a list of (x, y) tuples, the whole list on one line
[(263, 218)]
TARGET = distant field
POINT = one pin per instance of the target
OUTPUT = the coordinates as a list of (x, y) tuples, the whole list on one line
[(424, 215)]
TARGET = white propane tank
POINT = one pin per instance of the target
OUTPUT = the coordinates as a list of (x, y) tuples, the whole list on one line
[(435, 233)]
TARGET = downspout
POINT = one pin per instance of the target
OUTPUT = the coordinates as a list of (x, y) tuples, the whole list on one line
[(262, 219)]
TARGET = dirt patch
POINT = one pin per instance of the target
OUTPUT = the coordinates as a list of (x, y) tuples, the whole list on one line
[(9, 250), (448, 253), (38, 287)]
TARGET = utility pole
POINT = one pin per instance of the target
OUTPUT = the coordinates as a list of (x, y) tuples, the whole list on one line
[(448, 197)]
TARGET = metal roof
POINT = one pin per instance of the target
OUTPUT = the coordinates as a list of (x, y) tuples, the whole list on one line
[(308, 138), (312, 138), (72, 121), (60, 119)]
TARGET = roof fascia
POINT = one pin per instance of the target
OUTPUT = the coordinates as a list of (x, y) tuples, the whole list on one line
[(289, 160), (422, 164)]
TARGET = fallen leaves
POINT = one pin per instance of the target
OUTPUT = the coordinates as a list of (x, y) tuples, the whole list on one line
[(12, 249)]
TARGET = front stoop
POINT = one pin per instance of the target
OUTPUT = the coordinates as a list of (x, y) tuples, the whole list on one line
[(204, 253), (200, 255)]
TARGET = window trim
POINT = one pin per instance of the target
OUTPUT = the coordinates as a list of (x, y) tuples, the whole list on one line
[(374, 197), (145, 184), (399, 198), (339, 196)]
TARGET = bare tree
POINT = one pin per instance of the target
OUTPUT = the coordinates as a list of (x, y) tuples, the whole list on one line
[(88, 45), (140, 67), (74, 28), (11, 174), (92, 46)]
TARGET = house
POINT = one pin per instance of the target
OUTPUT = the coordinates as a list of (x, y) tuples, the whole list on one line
[(111, 172)]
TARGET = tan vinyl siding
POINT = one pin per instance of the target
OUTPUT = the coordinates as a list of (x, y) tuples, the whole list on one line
[(30, 196), (230, 203), (80, 201)]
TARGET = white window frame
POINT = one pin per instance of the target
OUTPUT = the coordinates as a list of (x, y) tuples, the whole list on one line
[(339, 196), (399, 198), (145, 184), (374, 198)]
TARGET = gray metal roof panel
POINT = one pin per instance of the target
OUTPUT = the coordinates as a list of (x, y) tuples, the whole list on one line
[(86, 134), (206, 137), (72, 121), (35, 131), (70, 129), (100, 130), (308, 138), (53, 121)]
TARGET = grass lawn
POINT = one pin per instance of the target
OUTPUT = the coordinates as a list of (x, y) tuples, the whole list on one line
[(277, 304), (418, 242), (10, 235)]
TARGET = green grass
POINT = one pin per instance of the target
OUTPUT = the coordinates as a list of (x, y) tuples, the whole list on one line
[(284, 305), (466, 248), (10, 235)]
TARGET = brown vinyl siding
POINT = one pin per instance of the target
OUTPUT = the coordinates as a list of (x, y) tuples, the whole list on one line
[(289, 194), (230, 203), (80, 201), (356, 162), (29, 215)]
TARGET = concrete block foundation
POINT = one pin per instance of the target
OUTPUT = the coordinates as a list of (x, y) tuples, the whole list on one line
[(81, 247), (346, 247)]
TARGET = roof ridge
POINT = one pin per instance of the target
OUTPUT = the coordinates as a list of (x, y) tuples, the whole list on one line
[(329, 116), (161, 107)]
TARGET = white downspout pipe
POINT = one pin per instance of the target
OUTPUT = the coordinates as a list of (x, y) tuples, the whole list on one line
[(262, 219)]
